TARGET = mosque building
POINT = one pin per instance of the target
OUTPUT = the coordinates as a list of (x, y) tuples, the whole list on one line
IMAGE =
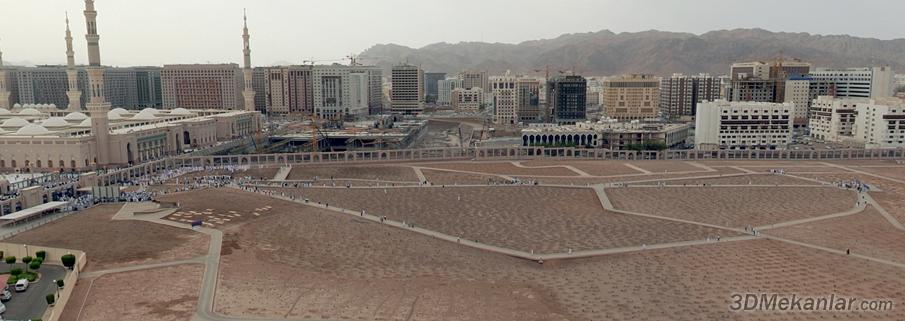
[(43, 137)]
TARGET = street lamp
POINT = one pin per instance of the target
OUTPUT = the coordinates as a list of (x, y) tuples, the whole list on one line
[(26, 249)]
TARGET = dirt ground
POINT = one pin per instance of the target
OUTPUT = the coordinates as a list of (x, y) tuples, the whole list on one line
[(502, 168), (224, 208), (769, 179), (320, 265), (116, 243), (734, 206), (866, 233), (369, 172), (596, 168), (437, 177), (164, 294), (525, 218)]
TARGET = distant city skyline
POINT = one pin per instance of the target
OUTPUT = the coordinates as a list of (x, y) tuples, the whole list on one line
[(166, 31)]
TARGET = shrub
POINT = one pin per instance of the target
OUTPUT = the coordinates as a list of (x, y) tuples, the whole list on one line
[(31, 277), (15, 271), (27, 259), (1, 255), (68, 260), (50, 298), (10, 259), (60, 283), (34, 265), (41, 254), (12, 280)]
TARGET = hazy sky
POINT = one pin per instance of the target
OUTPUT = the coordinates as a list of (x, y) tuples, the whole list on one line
[(143, 32)]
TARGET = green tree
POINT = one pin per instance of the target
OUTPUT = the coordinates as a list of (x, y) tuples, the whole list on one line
[(51, 298), (35, 265), (60, 283), (26, 260), (41, 255), (68, 260)]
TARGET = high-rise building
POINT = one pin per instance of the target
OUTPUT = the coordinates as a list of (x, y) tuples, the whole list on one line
[(632, 97), (873, 82), (407, 93), (259, 84), (431, 88), (743, 125), (763, 81), (881, 123), (375, 86), (467, 100), (445, 88), (833, 119), (528, 91), (798, 92), (680, 94), (472, 79), (209, 86), (147, 80), (567, 99), (289, 90), (505, 99)]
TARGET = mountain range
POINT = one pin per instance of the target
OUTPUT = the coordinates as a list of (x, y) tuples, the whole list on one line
[(653, 52)]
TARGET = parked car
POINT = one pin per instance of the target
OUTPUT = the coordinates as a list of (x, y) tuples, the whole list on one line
[(21, 285), (6, 296), (2, 309)]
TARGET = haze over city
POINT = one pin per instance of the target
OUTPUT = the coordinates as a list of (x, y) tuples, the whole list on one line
[(285, 31)]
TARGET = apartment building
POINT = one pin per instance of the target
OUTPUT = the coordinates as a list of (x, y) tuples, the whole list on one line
[(407, 93), (743, 125), (202, 86), (632, 97)]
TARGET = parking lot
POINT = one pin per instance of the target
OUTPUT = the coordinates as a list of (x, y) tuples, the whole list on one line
[(31, 303)]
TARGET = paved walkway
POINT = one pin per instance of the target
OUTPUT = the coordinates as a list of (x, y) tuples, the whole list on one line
[(283, 173)]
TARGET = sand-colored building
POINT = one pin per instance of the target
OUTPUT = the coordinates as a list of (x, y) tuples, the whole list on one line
[(632, 97)]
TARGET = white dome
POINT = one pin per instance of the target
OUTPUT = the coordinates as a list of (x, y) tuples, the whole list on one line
[(118, 111), (17, 106), (32, 130), (15, 122), (146, 114), (117, 114), (55, 122), (4, 111), (181, 111), (85, 123), (76, 116), (30, 112)]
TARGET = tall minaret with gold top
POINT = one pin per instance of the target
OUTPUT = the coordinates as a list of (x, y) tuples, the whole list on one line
[(247, 73), (74, 94), (97, 104)]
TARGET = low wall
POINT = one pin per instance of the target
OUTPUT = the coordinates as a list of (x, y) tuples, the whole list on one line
[(53, 257)]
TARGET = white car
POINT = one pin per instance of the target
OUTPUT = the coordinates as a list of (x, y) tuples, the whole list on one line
[(6, 296), (21, 285), (2, 309)]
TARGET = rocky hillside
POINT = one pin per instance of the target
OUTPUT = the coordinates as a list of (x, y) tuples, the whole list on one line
[(656, 52)]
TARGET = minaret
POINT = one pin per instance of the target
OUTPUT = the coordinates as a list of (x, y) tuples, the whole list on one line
[(249, 92), (4, 92), (74, 94), (97, 105)]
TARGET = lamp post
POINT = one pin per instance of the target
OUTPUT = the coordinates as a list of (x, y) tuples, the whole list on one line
[(26, 249)]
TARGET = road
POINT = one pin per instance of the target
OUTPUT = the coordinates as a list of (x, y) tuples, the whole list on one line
[(31, 303)]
